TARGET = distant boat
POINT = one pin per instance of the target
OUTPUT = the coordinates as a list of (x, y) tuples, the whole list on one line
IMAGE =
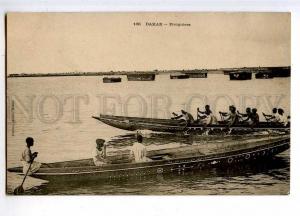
[(179, 76), (141, 77), (240, 75), (111, 79), (264, 75), (281, 71), (196, 74)]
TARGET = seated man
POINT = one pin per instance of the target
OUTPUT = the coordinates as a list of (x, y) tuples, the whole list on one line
[(139, 150), (245, 117), (28, 157), (254, 118), (99, 153), (188, 117), (232, 118), (274, 117), (206, 117), (283, 120)]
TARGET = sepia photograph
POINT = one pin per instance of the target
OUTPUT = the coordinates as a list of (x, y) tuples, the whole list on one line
[(148, 103)]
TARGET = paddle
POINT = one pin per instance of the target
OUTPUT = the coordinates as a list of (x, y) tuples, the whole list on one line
[(222, 117), (268, 120), (20, 190)]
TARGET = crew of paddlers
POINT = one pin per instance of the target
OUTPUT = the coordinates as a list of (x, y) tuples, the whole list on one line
[(233, 117)]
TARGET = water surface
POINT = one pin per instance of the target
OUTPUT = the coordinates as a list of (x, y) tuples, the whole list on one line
[(43, 109)]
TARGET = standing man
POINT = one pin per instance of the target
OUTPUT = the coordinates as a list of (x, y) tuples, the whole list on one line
[(28, 157)]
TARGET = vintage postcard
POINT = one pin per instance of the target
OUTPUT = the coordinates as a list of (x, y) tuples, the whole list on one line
[(148, 103)]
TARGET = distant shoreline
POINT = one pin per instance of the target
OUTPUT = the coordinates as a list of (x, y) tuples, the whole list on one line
[(114, 73)]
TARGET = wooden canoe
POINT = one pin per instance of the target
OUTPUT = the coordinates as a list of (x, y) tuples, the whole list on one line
[(177, 160), (173, 126)]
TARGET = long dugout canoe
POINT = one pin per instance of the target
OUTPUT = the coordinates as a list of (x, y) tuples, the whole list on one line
[(169, 125), (195, 159)]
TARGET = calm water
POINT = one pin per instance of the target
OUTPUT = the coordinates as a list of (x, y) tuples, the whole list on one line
[(57, 112)]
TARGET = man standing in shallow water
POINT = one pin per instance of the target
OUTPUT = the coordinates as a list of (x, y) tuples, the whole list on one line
[(28, 157)]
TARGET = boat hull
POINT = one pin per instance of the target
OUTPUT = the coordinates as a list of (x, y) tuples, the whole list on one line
[(173, 126), (264, 75), (281, 71), (197, 75), (179, 76), (112, 79), (240, 75), (141, 77), (198, 162)]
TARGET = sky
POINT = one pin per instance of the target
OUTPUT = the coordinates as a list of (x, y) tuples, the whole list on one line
[(95, 42)]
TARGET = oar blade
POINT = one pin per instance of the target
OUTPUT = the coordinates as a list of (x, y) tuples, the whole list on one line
[(19, 190)]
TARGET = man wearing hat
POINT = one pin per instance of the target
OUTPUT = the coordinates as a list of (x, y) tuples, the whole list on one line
[(99, 153)]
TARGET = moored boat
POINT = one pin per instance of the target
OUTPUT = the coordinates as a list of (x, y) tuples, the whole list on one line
[(264, 75), (111, 79), (179, 159), (141, 77), (240, 75), (173, 126), (196, 74), (281, 71), (179, 76)]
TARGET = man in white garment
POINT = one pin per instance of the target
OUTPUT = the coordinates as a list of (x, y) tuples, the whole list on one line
[(28, 157), (139, 150), (206, 117), (274, 117), (99, 153), (282, 117)]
